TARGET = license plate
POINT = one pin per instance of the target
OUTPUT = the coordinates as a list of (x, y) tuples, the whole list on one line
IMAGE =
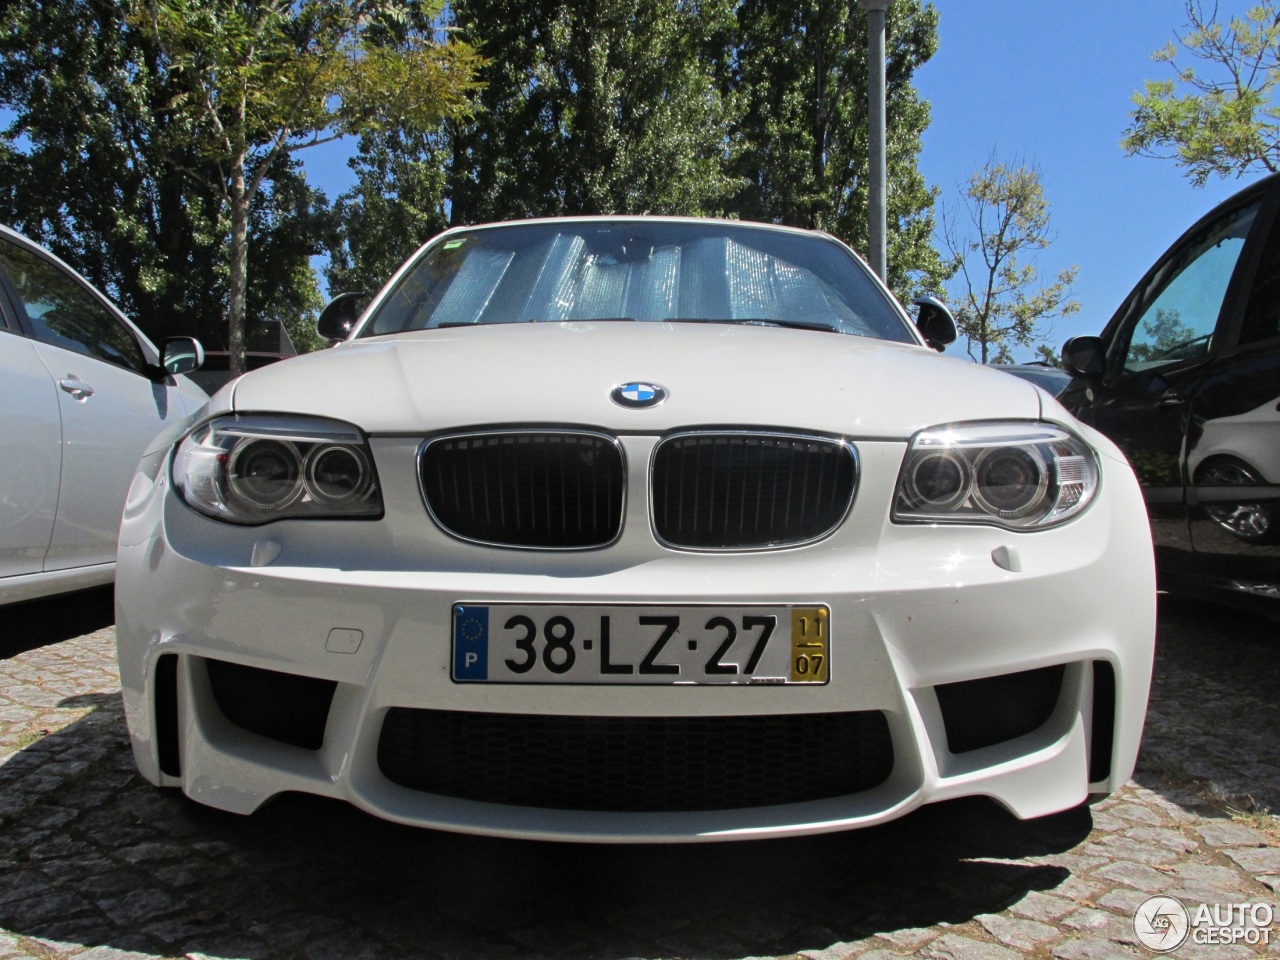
[(623, 644)]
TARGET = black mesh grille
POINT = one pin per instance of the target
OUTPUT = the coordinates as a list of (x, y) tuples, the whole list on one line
[(635, 763), (526, 489), (738, 491)]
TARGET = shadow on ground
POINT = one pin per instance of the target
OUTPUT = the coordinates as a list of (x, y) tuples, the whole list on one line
[(37, 623), (92, 855)]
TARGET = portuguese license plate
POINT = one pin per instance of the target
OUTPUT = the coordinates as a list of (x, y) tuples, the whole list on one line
[(603, 644)]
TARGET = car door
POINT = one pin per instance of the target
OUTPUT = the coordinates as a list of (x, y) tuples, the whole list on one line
[(110, 408), (1161, 346), (30, 450), (1233, 438)]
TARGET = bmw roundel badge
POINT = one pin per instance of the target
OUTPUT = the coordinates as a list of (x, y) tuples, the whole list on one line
[(636, 394)]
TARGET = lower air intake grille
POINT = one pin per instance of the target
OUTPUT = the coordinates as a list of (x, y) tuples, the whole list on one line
[(281, 706), (980, 713), (526, 488), (635, 763), (742, 491)]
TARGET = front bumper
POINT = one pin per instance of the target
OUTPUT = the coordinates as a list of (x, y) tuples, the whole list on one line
[(366, 608)]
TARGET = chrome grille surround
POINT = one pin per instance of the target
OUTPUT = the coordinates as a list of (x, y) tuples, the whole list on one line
[(514, 473), (693, 504)]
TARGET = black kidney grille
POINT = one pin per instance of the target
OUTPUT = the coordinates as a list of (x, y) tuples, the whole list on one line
[(635, 763), (725, 491), (526, 489)]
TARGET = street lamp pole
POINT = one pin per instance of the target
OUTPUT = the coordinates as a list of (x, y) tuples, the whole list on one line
[(878, 188)]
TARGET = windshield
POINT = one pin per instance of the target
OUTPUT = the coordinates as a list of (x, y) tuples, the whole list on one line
[(707, 272)]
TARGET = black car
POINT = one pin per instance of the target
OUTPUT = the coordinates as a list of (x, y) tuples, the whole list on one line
[(1041, 374), (1186, 379)]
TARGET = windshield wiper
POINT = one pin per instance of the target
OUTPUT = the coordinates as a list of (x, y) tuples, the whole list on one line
[(759, 322)]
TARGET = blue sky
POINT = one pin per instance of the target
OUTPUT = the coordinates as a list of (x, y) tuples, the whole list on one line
[(1053, 83), (1049, 83)]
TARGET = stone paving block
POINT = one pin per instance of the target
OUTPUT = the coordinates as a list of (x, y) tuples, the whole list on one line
[(1227, 833), (1108, 822), (138, 906), (909, 938), (1207, 874), (1078, 888), (1137, 813), (1043, 906), (1193, 895), (1101, 923), (1169, 839), (1255, 861), (1129, 848), (1124, 901), (1093, 948), (1020, 934), (111, 953), (56, 948), (1078, 862), (837, 951), (1137, 875), (341, 948), (954, 947), (1211, 951)]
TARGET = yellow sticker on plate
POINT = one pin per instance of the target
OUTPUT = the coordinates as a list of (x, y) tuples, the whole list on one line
[(809, 644)]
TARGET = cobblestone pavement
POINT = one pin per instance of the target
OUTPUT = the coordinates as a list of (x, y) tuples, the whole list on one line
[(96, 864)]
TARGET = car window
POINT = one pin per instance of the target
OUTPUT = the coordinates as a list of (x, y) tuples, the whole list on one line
[(1177, 315), (1262, 313), (63, 313), (636, 271)]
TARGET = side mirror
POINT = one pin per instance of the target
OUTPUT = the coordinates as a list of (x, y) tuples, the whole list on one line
[(338, 318), (1085, 357), (935, 322), (180, 355)]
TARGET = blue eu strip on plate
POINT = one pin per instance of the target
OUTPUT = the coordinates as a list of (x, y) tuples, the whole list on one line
[(470, 643)]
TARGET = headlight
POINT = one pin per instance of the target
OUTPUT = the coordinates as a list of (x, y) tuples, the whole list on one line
[(1020, 475), (259, 468)]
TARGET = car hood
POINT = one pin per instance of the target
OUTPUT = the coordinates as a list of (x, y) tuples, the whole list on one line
[(564, 373)]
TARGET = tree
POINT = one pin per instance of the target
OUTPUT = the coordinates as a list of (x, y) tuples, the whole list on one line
[(397, 204), (1218, 116), (995, 296), (591, 107), (800, 147), (258, 80), (89, 167)]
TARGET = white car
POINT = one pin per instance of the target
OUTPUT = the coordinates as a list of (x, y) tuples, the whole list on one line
[(82, 394), (635, 529)]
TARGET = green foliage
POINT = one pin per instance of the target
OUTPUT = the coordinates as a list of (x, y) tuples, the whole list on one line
[(397, 204), (88, 169), (189, 115), (258, 80), (592, 106), (1049, 356), (754, 110), (996, 297), (1218, 116), (800, 75)]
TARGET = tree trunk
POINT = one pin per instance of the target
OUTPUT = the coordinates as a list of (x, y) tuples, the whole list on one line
[(238, 292)]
